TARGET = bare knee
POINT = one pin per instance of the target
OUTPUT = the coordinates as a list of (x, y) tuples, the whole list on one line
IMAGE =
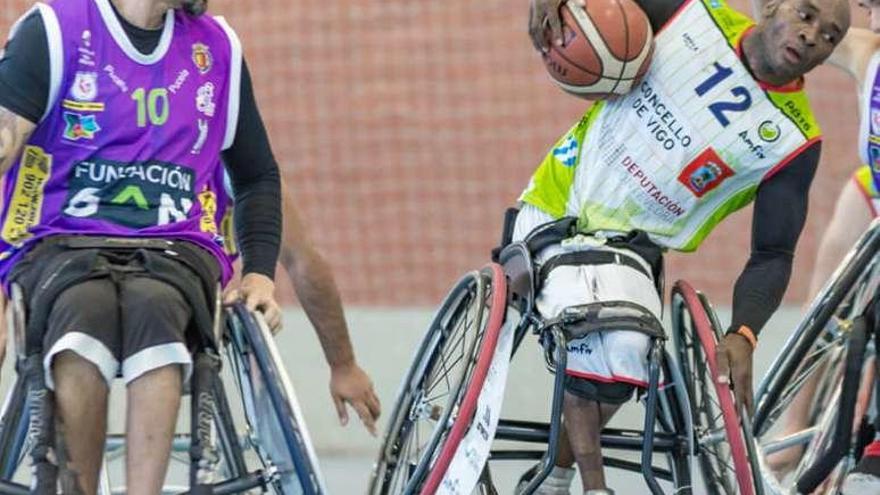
[(76, 375)]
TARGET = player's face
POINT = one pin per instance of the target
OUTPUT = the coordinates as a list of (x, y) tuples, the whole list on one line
[(801, 34), (873, 8), (196, 7)]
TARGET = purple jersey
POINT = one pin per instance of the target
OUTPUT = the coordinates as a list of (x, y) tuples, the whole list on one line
[(130, 143)]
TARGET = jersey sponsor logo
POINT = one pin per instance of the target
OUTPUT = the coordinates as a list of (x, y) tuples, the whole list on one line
[(660, 120), (754, 147), (208, 202), (85, 86), (875, 121), (201, 57), (769, 131), (118, 81), (200, 140), (567, 152), (661, 203), (705, 173), (78, 126), (227, 232), (874, 156), (205, 99), (26, 204), (83, 106), (133, 194), (182, 76)]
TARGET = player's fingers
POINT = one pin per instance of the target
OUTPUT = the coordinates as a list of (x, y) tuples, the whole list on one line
[(340, 409), (723, 364), (273, 315), (251, 301), (373, 403), (555, 21), (747, 394), (536, 31), (231, 296), (364, 414)]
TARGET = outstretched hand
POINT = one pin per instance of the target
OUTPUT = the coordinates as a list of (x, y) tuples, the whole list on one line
[(350, 384), (734, 358), (543, 13)]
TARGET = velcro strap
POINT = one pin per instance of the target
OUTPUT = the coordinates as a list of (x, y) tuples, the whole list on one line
[(591, 257)]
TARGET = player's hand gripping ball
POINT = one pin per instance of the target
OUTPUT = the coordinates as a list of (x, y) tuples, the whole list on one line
[(606, 48)]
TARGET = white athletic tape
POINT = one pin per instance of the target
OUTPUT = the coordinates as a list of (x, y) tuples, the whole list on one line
[(473, 451)]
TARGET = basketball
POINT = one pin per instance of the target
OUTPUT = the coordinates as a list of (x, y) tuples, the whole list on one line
[(607, 48)]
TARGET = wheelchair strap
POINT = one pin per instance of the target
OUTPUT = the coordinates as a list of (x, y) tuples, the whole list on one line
[(550, 233), (591, 257), (578, 321)]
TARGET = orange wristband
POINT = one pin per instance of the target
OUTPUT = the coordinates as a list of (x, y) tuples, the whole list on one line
[(748, 334)]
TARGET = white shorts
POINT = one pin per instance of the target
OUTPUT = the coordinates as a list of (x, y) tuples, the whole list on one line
[(606, 356)]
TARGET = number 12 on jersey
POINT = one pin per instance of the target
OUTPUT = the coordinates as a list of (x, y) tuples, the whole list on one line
[(742, 98)]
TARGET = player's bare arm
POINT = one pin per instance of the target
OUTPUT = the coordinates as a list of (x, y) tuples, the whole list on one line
[(854, 53), (313, 280), (14, 132)]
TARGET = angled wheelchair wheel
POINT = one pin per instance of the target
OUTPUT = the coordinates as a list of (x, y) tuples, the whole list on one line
[(13, 429), (720, 439), (277, 432), (439, 393)]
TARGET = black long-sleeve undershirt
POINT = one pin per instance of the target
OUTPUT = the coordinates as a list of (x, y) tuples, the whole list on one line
[(256, 181), (778, 219)]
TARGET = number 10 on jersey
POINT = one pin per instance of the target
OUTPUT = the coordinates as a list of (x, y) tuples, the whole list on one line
[(152, 104)]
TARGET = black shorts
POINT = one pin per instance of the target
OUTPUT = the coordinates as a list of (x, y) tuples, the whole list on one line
[(121, 319), (603, 392)]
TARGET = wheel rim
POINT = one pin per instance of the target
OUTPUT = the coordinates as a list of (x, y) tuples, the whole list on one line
[(714, 453), (447, 362)]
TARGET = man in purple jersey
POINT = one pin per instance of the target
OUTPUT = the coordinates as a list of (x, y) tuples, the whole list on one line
[(114, 116)]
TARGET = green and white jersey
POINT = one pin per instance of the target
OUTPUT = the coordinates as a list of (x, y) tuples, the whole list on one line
[(687, 147)]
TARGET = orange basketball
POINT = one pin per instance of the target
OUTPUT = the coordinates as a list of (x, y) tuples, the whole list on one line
[(607, 48)]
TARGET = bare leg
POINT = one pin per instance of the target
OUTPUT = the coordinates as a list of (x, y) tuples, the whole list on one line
[(153, 401), (81, 396), (584, 420), (564, 456)]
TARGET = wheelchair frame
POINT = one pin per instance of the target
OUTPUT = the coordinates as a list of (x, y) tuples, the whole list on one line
[(667, 409), (215, 447)]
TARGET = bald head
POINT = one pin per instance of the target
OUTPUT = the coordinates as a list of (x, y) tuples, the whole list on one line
[(794, 36)]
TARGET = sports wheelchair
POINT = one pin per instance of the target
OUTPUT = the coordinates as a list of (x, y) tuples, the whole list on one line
[(270, 451), (826, 372), (441, 430)]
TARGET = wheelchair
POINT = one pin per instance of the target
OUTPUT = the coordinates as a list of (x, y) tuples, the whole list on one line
[(827, 369), (442, 432), (269, 451)]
